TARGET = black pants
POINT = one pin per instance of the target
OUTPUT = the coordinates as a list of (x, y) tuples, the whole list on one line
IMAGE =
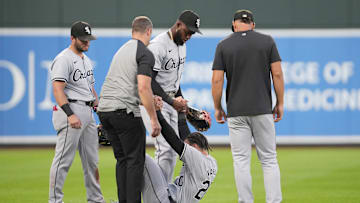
[(127, 136)]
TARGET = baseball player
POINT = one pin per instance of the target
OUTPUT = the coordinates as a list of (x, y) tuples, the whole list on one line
[(250, 59), (73, 87), (169, 50), (196, 175)]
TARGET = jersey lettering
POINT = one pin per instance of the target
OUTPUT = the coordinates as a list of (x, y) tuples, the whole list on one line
[(200, 194), (171, 64), (79, 75), (180, 181)]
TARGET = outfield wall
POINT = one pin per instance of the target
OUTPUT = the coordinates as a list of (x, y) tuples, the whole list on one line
[(321, 69)]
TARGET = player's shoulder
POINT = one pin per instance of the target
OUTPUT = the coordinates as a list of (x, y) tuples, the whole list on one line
[(263, 36), (226, 40), (192, 152), (212, 160), (255, 32), (143, 49), (161, 40), (65, 56), (160, 37)]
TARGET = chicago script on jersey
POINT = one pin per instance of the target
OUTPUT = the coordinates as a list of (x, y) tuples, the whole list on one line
[(80, 75), (171, 64)]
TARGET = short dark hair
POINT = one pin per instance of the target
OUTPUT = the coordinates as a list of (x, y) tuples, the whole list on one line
[(199, 139), (141, 24)]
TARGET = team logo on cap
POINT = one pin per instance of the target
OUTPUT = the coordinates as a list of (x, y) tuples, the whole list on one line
[(198, 22), (244, 16), (87, 30)]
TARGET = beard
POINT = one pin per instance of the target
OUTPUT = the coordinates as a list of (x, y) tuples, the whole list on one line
[(79, 48), (178, 39)]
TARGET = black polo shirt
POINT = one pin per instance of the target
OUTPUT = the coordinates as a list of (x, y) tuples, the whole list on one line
[(245, 57)]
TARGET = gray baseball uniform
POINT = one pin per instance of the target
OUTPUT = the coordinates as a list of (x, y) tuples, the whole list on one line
[(77, 73), (195, 178), (169, 63), (196, 175)]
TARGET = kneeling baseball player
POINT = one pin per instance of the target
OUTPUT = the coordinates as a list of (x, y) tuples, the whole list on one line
[(197, 173)]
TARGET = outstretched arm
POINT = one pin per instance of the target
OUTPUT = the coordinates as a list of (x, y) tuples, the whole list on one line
[(183, 127), (170, 135)]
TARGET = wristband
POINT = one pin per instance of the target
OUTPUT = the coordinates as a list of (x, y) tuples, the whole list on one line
[(66, 108)]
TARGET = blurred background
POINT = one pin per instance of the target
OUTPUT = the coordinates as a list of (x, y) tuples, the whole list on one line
[(318, 42)]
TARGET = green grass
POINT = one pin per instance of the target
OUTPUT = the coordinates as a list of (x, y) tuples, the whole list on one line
[(308, 175)]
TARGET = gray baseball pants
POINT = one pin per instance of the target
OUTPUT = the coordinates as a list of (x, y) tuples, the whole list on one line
[(68, 141), (242, 130), (165, 156), (155, 189)]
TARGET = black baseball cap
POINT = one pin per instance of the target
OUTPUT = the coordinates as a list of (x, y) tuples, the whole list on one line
[(191, 20), (82, 30), (243, 14)]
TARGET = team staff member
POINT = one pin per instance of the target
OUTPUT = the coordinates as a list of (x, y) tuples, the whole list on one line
[(197, 173), (169, 50), (248, 57), (73, 86), (128, 83)]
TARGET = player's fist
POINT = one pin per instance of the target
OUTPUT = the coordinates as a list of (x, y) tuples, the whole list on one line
[(220, 116), (180, 104), (278, 112), (74, 121), (158, 102), (156, 128)]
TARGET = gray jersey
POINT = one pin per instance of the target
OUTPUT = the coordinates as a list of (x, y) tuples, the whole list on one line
[(76, 72), (169, 61), (120, 88), (196, 175)]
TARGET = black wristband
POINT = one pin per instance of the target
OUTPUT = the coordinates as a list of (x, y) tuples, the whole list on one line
[(66, 108)]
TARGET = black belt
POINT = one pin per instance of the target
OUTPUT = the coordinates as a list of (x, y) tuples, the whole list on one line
[(88, 103)]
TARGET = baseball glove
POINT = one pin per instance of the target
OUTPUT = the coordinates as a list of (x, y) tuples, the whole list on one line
[(199, 119), (103, 139)]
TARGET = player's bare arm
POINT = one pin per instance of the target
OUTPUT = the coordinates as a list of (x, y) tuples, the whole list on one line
[(61, 100), (146, 96), (278, 79), (216, 90)]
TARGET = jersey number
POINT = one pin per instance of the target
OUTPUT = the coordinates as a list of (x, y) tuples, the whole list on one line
[(202, 191)]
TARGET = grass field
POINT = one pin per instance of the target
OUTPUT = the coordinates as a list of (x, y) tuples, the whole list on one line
[(308, 175)]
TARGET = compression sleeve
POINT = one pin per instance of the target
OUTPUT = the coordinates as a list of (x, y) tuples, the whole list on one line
[(169, 134), (183, 127), (157, 90)]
